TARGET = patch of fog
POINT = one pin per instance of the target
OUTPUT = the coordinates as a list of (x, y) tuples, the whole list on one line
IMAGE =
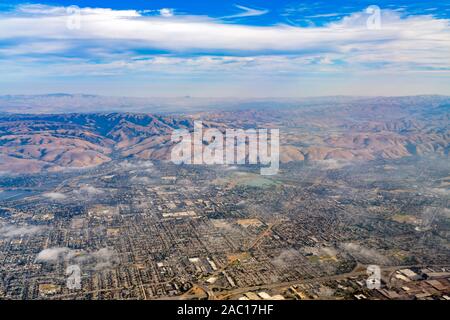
[(9, 231), (328, 251), (331, 164), (88, 190), (286, 258), (430, 214), (101, 259), (440, 191), (242, 203), (77, 169), (321, 251), (54, 195), (142, 180), (325, 291), (366, 254), (138, 164), (229, 168), (225, 227), (52, 255)]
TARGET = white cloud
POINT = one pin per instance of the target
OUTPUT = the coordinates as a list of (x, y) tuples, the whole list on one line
[(108, 41), (362, 252), (246, 12), (55, 254), (99, 259), (88, 191), (166, 12), (332, 164), (54, 195), (136, 164), (10, 231), (131, 30), (286, 258), (105, 258)]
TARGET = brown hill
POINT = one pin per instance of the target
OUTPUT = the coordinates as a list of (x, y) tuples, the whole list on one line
[(378, 128)]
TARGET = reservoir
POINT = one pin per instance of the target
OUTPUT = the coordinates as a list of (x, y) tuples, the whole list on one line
[(15, 194)]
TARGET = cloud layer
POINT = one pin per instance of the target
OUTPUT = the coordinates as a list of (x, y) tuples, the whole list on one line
[(9, 231), (105, 42), (99, 259), (130, 30)]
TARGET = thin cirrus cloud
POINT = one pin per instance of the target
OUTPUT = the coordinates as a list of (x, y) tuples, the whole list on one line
[(246, 12), (166, 12), (111, 42)]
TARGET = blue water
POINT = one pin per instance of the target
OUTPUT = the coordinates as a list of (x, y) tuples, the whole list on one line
[(15, 194)]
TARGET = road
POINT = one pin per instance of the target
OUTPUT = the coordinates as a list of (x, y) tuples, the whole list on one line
[(356, 272)]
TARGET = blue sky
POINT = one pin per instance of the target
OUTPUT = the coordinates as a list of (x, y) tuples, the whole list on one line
[(225, 48)]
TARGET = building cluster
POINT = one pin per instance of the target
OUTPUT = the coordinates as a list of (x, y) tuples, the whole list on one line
[(166, 231)]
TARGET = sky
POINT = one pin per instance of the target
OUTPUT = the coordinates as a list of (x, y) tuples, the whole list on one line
[(270, 48)]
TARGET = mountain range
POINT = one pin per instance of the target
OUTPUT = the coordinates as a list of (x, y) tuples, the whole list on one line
[(340, 129)]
